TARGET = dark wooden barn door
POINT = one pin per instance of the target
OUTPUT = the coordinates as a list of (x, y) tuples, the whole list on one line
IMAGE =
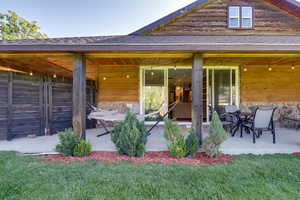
[(37, 105), (4, 79), (25, 110)]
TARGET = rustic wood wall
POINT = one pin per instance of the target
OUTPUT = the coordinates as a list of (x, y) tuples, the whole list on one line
[(259, 85), (212, 18), (34, 105), (114, 86)]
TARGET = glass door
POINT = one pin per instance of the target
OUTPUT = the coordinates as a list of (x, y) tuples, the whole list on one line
[(155, 90), (222, 89)]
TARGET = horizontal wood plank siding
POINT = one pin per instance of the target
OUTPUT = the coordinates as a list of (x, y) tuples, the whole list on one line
[(212, 18), (117, 87), (259, 85)]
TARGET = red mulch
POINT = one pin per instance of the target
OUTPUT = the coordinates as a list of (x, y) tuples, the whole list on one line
[(150, 157), (296, 154)]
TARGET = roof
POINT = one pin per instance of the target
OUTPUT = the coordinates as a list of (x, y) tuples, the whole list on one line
[(64, 40), (136, 42), (290, 6), (159, 43)]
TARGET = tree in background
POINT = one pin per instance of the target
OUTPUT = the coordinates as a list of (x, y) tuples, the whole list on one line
[(14, 27)]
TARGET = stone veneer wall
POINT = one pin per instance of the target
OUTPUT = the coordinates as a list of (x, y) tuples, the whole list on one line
[(121, 107), (290, 110)]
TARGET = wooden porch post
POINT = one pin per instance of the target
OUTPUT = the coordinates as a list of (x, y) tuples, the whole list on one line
[(79, 95), (197, 88)]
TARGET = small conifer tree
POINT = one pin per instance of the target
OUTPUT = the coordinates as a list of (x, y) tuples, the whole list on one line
[(216, 136)]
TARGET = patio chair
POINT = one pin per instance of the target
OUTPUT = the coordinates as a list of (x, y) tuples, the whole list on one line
[(262, 121), (230, 117)]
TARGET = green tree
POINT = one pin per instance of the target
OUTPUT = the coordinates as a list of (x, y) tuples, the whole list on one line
[(14, 27)]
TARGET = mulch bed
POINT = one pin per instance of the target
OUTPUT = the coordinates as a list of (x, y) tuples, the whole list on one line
[(150, 157)]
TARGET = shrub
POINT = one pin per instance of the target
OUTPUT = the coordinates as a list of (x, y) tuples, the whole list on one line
[(173, 134), (130, 136), (84, 148), (67, 142), (171, 129), (192, 143), (216, 136)]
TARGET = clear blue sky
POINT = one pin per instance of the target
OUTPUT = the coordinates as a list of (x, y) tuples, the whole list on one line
[(64, 18)]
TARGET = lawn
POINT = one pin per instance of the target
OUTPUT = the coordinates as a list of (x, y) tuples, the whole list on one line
[(249, 177)]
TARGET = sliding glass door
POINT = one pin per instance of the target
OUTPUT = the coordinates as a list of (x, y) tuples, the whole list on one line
[(160, 87), (222, 89)]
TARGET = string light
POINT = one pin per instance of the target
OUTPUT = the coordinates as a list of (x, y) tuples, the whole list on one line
[(293, 67), (127, 76), (152, 73), (54, 75), (104, 78), (245, 69), (270, 68), (31, 73)]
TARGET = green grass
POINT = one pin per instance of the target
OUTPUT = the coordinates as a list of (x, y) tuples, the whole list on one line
[(249, 177)]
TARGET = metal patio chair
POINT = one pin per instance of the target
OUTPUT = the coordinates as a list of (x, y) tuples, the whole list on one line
[(262, 121)]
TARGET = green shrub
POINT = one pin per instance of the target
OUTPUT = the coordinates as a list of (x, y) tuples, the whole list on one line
[(173, 134), (171, 129), (177, 147), (67, 142), (130, 136), (84, 148), (192, 143), (216, 136)]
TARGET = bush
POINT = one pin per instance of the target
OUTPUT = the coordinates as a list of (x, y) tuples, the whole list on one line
[(171, 129), (173, 134), (67, 142), (177, 147), (84, 148), (192, 143), (216, 136), (130, 136)]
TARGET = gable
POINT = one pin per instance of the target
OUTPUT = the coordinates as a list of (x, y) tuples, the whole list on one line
[(210, 17)]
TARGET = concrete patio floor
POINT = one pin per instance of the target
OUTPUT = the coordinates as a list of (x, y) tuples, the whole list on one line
[(288, 141)]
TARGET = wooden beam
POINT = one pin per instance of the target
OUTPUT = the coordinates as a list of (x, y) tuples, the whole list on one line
[(197, 101), (79, 95), (139, 55), (251, 55)]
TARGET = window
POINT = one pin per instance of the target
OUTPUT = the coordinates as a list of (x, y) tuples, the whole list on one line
[(240, 17)]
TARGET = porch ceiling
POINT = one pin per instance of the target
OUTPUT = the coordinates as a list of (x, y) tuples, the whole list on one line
[(61, 63)]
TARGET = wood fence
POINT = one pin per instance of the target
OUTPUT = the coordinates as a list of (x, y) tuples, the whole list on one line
[(37, 105)]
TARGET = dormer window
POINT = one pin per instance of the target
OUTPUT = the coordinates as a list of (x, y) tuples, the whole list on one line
[(240, 17)]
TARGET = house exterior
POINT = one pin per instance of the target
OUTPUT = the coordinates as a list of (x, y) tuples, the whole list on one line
[(207, 55)]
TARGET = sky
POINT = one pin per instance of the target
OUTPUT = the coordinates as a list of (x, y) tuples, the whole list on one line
[(70, 18)]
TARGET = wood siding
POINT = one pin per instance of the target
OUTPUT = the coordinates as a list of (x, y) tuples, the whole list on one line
[(259, 85), (211, 18), (117, 87)]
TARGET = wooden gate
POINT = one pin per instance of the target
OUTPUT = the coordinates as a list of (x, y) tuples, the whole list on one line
[(36, 105)]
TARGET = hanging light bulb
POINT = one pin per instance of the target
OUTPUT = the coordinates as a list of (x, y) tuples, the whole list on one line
[(54, 75), (104, 78), (31, 73), (127, 76), (245, 69), (293, 67), (152, 73), (270, 68)]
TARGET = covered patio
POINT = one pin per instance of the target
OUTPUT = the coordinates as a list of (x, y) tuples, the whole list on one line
[(288, 142), (260, 70)]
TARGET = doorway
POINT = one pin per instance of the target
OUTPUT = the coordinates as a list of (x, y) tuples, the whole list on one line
[(162, 86)]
